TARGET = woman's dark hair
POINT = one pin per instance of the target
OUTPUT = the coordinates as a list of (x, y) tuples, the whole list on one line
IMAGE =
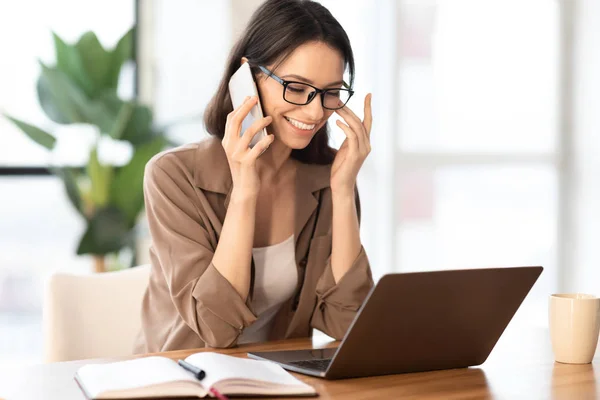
[(275, 30)]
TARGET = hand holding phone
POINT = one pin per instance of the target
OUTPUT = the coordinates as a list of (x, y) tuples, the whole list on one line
[(241, 86), (242, 158)]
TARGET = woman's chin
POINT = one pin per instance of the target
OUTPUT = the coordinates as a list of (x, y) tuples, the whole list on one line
[(296, 143)]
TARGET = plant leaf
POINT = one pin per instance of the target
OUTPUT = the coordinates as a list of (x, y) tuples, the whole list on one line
[(68, 176), (122, 120), (69, 61), (48, 103), (118, 118), (101, 178), (127, 191), (98, 112), (59, 97), (107, 232), (96, 62), (36, 134), (121, 53), (139, 128), (65, 102)]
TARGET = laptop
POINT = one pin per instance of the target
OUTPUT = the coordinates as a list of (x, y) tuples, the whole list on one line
[(422, 321)]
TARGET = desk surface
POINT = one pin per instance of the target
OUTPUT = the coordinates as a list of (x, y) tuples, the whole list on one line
[(521, 366)]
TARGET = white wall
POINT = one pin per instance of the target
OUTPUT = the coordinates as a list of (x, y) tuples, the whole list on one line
[(191, 41), (583, 273)]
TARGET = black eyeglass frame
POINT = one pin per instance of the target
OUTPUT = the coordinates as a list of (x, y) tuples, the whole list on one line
[(312, 95)]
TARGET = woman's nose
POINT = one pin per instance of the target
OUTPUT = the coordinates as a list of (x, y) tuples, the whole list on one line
[(314, 110)]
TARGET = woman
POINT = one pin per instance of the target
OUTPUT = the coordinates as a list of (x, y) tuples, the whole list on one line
[(262, 243)]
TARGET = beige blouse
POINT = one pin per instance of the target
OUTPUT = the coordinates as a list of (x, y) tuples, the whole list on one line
[(275, 280), (188, 303)]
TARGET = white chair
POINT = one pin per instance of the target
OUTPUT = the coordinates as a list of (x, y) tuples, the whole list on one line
[(93, 315)]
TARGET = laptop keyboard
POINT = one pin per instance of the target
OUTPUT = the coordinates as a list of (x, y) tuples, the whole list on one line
[(318, 364)]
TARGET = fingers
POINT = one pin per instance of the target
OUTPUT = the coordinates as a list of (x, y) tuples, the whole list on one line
[(353, 145), (259, 148), (368, 121), (235, 118), (355, 124), (252, 131), (362, 128), (351, 119)]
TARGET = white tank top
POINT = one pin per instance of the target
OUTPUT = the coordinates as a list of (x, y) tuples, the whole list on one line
[(275, 280)]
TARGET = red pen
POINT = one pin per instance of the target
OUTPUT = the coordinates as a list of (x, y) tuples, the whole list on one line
[(217, 394)]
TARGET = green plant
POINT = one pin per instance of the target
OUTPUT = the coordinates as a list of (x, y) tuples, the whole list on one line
[(82, 89)]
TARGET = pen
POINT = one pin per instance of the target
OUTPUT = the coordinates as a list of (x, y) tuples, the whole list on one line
[(200, 374)]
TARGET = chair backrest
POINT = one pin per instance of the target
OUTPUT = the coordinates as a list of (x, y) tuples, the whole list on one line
[(93, 315)]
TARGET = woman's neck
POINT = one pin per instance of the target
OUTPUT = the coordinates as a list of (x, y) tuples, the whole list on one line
[(274, 162)]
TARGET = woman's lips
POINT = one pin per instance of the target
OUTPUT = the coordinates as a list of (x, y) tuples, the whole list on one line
[(303, 132)]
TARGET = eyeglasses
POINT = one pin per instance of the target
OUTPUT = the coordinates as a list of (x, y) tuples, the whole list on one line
[(300, 93)]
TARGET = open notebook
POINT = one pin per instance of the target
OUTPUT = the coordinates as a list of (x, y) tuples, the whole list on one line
[(162, 377)]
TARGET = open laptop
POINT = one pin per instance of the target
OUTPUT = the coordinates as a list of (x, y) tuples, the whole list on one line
[(422, 321)]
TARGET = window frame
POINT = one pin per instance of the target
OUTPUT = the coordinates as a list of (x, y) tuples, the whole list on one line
[(39, 170)]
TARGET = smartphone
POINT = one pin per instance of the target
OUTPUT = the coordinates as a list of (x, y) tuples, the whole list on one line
[(242, 85)]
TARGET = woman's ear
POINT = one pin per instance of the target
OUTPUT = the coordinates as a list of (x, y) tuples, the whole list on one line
[(244, 60)]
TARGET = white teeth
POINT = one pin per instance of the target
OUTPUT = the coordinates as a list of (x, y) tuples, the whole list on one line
[(300, 125)]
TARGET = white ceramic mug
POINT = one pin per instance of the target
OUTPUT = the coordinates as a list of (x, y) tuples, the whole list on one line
[(574, 327)]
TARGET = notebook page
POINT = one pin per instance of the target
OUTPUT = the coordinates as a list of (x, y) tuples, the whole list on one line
[(123, 375), (219, 367)]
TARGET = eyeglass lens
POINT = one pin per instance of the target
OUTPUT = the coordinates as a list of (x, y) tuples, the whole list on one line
[(299, 93)]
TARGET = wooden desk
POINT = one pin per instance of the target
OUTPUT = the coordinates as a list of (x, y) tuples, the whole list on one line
[(521, 366)]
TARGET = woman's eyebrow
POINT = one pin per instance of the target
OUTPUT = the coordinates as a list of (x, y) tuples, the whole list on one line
[(309, 81)]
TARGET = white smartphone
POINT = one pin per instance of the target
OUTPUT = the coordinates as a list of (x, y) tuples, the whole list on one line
[(242, 85)]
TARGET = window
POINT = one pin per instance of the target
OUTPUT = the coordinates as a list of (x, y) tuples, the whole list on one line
[(464, 171), (32, 41), (477, 158), (190, 42), (38, 228)]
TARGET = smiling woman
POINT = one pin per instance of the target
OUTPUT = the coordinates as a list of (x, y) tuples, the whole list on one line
[(293, 103), (308, 55), (259, 243)]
